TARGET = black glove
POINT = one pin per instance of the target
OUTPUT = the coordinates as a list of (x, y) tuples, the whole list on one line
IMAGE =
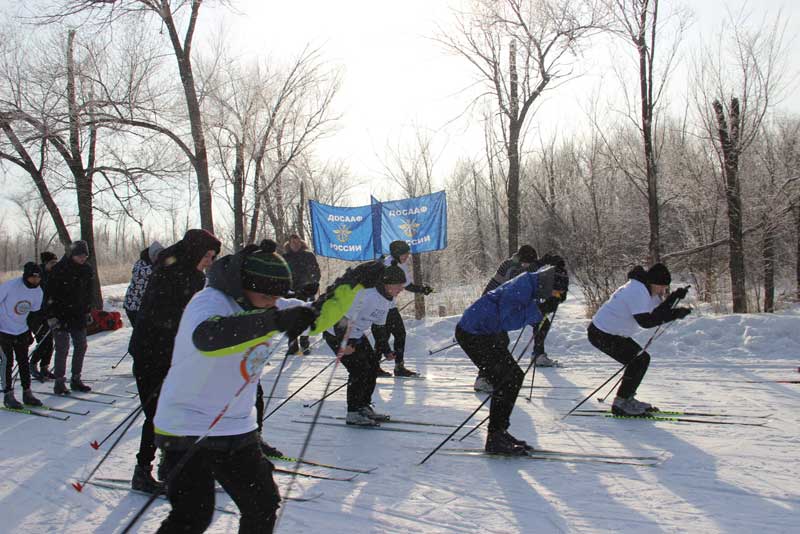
[(294, 321), (53, 323), (681, 292), (549, 305), (680, 313), (427, 290)]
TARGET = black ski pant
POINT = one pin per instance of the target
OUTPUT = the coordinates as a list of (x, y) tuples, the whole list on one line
[(61, 338), (15, 346), (259, 407), (362, 367), (236, 462), (627, 352), (506, 342), (490, 354), (43, 353), (148, 384), (396, 329)]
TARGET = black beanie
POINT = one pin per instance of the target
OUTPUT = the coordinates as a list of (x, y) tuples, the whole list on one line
[(659, 274), (398, 248), (79, 248), (47, 256), (393, 274), (266, 272), (31, 269), (527, 254)]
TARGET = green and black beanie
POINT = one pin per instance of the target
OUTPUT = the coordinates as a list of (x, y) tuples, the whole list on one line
[(393, 275), (266, 272)]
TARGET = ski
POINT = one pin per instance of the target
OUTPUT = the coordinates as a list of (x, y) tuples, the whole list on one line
[(377, 427), (390, 421), (125, 485), (690, 414), (61, 410), (320, 464), (28, 411), (72, 396), (402, 378), (669, 419), (553, 458), (104, 394), (574, 454)]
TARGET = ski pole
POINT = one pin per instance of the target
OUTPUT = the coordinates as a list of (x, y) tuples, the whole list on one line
[(135, 413), (517, 341), (453, 433), (535, 358), (325, 396), (253, 375), (601, 386), (298, 390), (434, 351), (524, 350), (120, 360)]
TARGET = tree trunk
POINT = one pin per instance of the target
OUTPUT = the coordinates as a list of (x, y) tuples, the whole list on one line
[(729, 141), (769, 268), (797, 251), (301, 230), (514, 129), (238, 198), (481, 264), (419, 299)]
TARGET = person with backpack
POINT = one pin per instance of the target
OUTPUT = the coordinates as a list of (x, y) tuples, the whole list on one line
[(37, 322), (140, 275)]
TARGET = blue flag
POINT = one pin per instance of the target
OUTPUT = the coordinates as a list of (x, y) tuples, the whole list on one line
[(344, 233), (420, 221)]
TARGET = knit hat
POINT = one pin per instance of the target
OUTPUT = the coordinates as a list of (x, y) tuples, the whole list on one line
[(659, 274), (527, 254), (47, 256), (79, 248), (393, 275), (154, 249), (31, 269), (398, 248), (266, 272)]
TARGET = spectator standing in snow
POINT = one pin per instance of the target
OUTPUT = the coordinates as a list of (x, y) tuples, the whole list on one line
[(140, 274), (399, 255), (67, 301), (177, 275), (18, 297), (637, 304), (482, 333), (37, 322), (305, 280)]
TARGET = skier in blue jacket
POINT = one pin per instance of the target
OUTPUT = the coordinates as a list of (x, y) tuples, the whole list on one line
[(482, 334)]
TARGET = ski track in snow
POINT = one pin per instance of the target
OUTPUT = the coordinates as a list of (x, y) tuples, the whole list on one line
[(714, 479)]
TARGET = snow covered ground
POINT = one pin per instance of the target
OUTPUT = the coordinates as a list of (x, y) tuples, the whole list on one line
[(713, 478)]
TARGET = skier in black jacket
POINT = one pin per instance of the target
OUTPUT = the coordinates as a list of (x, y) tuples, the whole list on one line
[(177, 276), (305, 280), (67, 300), (37, 322)]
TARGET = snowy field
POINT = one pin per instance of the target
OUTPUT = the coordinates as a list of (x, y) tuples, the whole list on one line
[(713, 478)]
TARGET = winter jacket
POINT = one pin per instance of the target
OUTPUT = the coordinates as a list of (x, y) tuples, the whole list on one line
[(140, 274), (17, 300), (174, 281), (37, 318), (68, 294), (507, 270), (510, 306), (304, 266)]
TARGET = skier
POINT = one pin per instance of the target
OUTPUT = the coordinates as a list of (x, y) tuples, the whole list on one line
[(482, 334), (177, 275), (67, 300), (547, 307), (305, 280), (371, 308), (519, 262), (399, 255), (223, 326), (37, 322), (18, 297), (637, 304), (140, 274)]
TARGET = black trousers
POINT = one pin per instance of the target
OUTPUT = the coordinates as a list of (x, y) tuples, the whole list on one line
[(362, 367), (148, 384), (42, 355), (625, 351), (397, 330), (236, 462), (15, 346), (490, 354)]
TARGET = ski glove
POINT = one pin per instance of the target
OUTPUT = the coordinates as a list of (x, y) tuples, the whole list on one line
[(53, 323), (294, 321), (427, 290), (680, 313), (681, 292)]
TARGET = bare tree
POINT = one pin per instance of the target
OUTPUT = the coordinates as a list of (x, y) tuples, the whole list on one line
[(519, 49), (35, 214)]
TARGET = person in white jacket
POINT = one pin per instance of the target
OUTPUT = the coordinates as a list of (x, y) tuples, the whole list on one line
[(369, 310), (224, 336), (18, 297)]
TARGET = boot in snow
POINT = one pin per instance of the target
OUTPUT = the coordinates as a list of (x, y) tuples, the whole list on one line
[(143, 481), (269, 450), (499, 443), (60, 387), (29, 399), (372, 414), (381, 372), (628, 407), (542, 360), (48, 374), (37, 375), (77, 385), (482, 385), (360, 419), (520, 442), (9, 401), (400, 370)]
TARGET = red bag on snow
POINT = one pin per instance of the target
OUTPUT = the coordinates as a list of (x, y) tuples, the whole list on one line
[(103, 320)]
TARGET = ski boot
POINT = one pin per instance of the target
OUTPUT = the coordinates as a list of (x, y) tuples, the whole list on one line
[(542, 360), (269, 451), (77, 385), (37, 375), (401, 371), (29, 399), (11, 402), (498, 442), (629, 407), (143, 481), (358, 418), (482, 385), (381, 372), (60, 387), (372, 414)]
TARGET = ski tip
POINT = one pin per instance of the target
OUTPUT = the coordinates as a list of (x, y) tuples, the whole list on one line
[(94, 445), (78, 486)]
